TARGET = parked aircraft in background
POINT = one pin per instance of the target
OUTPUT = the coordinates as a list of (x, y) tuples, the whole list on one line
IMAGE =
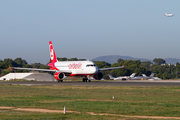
[(144, 77), (151, 77), (148, 77), (71, 68), (155, 78), (122, 77), (169, 15), (138, 78)]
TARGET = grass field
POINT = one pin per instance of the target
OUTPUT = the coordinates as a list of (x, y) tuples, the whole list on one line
[(129, 101)]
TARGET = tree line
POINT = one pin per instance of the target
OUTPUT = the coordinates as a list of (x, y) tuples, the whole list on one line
[(159, 66)]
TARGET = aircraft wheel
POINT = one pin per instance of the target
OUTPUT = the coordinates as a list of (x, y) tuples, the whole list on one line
[(89, 80), (124, 79), (83, 80)]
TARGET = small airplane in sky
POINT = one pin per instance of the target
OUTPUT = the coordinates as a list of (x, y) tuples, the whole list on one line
[(169, 15), (71, 68), (122, 77)]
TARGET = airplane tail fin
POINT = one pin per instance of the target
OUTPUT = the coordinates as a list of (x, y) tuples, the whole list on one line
[(144, 75), (52, 53), (132, 75), (152, 74), (110, 76)]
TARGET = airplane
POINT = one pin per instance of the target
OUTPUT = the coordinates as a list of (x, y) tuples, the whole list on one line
[(122, 77), (138, 78), (149, 77), (155, 78), (71, 68), (169, 15), (143, 77)]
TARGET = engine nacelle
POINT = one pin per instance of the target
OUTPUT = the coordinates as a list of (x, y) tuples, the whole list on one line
[(59, 76), (98, 76)]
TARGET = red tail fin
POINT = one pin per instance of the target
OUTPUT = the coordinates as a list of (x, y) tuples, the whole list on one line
[(52, 53)]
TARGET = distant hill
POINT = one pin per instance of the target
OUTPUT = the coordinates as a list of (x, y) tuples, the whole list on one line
[(172, 60), (113, 59)]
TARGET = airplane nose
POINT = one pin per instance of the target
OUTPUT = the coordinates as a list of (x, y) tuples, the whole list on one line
[(96, 70)]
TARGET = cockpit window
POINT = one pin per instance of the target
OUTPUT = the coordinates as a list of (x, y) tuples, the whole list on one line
[(90, 65)]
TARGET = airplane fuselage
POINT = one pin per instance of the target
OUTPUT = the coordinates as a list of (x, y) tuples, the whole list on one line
[(123, 77), (168, 15), (138, 78), (77, 68)]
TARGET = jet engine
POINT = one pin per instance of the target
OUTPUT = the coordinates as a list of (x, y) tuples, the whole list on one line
[(98, 76), (59, 76)]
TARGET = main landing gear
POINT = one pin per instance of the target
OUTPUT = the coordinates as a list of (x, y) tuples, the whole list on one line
[(86, 79), (60, 80)]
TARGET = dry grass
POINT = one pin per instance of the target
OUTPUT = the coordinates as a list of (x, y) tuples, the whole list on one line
[(129, 101)]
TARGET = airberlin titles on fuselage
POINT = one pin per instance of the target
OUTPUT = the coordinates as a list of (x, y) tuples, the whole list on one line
[(75, 65)]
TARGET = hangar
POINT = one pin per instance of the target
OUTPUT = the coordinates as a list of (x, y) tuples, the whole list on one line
[(29, 76)]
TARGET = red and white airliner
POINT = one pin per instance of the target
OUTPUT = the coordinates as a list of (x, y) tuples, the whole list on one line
[(71, 68)]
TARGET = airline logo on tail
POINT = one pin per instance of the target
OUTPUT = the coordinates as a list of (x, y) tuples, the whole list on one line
[(52, 53)]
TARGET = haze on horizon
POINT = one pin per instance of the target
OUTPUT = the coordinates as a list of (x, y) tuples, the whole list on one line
[(89, 29)]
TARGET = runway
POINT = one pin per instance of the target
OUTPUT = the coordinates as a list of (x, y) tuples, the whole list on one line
[(99, 83)]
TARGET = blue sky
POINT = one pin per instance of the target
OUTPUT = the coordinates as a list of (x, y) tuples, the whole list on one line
[(89, 28)]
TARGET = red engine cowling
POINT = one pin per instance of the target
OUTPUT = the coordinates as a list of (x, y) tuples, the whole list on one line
[(59, 76), (98, 76)]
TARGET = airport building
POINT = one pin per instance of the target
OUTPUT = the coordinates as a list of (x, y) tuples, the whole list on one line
[(29, 76)]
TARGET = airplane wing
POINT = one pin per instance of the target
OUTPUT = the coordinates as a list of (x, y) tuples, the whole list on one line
[(36, 69), (111, 68)]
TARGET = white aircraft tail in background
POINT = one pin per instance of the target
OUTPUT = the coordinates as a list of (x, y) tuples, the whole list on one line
[(122, 77), (151, 77), (111, 77), (132, 75)]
